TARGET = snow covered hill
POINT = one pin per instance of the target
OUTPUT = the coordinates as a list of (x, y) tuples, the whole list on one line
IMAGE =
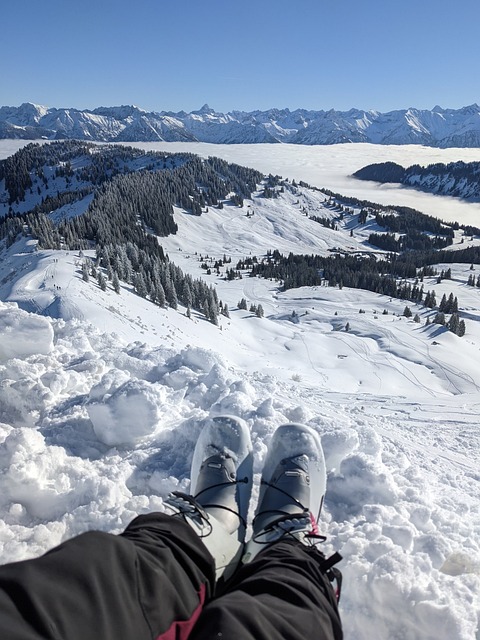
[(102, 397), (437, 127), (458, 179)]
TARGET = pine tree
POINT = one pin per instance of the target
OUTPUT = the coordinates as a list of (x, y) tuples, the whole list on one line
[(187, 298), (160, 295), (259, 312), (407, 312), (453, 323), (102, 282), (206, 308), (451, 304), (210, 310), (171, 294), (213, 303), (115, 282), (140, 285)]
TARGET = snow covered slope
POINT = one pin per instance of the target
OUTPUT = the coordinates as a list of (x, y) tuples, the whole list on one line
[(458, 179), (437, 127), (102, 397)]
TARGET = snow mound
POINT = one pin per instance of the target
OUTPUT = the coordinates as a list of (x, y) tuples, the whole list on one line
[(23, 334), (130, 413)]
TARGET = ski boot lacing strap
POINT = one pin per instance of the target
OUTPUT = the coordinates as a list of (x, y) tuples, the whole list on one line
[(288, 523), (189, 506)]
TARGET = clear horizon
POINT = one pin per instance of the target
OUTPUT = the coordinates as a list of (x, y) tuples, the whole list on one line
[(245, 57)]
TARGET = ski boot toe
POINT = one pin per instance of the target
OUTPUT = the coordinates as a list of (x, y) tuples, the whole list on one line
[(220, 488), (292, 489)]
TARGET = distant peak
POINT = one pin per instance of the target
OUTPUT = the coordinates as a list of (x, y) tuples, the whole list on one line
[(123, 111), (205, 109), (31, 106)]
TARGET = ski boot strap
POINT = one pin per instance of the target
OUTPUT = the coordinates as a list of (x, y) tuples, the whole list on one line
[(186, 506), (327, 566)]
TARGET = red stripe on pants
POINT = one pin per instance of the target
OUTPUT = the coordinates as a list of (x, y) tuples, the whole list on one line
[(180, 630)]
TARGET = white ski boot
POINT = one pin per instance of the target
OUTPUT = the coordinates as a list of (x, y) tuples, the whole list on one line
[(220, 488), (292, 489)]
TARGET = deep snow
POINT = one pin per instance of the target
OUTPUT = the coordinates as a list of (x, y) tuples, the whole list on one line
[(102, 397)]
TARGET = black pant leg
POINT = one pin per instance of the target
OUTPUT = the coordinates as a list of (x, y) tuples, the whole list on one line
[(148, 583), (281, 595)]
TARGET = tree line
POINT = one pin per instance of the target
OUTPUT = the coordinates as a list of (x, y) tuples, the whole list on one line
[(386, 276)]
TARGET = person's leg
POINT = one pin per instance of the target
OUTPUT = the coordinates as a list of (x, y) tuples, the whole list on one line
[(283, 594), (151, 581), (148, 583)]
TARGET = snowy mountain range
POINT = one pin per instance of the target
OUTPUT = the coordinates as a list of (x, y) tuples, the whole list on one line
[(437, 127), (103, 395)]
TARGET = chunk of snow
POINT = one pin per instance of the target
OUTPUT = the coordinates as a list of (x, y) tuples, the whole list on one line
[(23, 334), (127, 415)]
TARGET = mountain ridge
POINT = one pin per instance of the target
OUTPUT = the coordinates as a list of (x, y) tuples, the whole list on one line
[(437, 127), (457, 179)]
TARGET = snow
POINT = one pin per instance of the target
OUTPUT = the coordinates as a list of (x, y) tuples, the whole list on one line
[(23, 334), (72, 210), (123, 414), (103, 396)]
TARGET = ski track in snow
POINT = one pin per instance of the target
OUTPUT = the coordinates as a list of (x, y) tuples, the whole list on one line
[(102, 398)]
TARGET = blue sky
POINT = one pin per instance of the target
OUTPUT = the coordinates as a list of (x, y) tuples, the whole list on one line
[(174, 55)]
